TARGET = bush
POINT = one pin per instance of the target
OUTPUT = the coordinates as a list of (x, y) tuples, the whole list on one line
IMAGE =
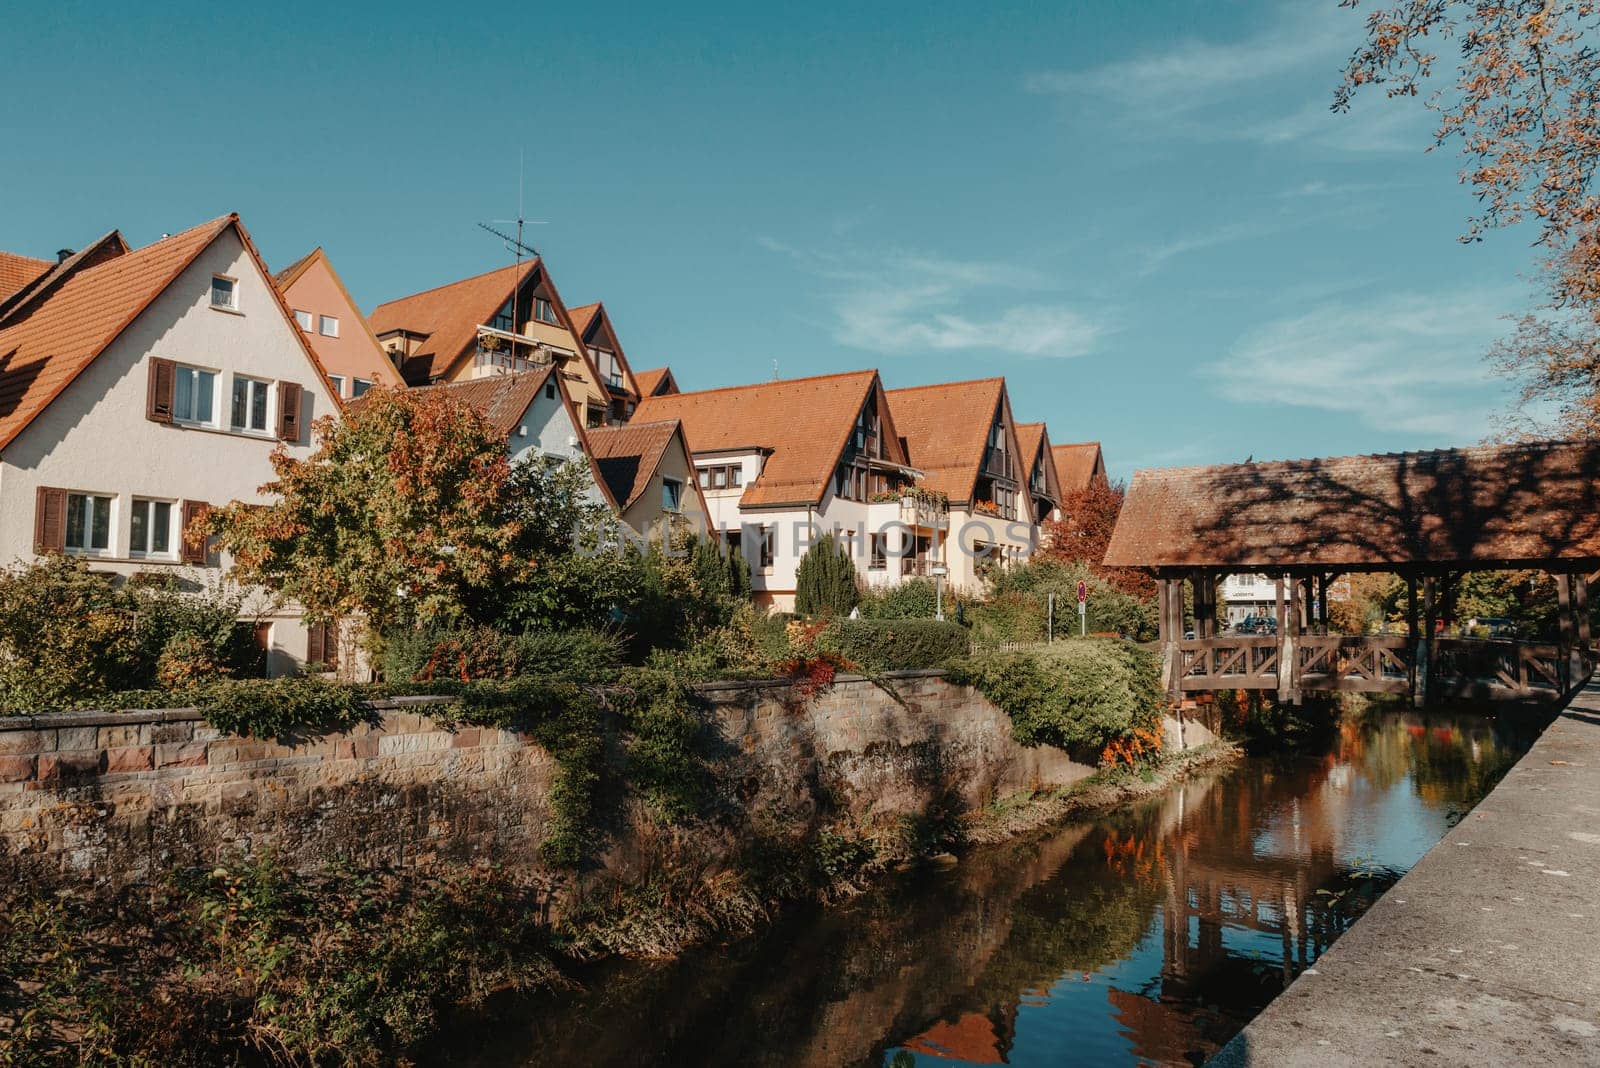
[(582, 655), (916, 598), (68, 635), (895, 644), (1017, 607), (1076, 695), (826, 583)]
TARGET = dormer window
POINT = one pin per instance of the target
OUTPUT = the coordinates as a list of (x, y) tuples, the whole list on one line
[(544, 311), (224, 293)]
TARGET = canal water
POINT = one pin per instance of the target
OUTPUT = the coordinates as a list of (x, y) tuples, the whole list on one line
[(1144, 937)]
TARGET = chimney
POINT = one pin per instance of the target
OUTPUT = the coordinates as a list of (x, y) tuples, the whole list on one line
[(62, 254)]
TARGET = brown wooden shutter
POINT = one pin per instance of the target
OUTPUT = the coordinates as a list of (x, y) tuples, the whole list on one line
[(316, 642), (158, 400), (289, 411), (50, 521), (191, 543)]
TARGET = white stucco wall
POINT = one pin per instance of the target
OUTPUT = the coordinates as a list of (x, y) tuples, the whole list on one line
[(95, 438)]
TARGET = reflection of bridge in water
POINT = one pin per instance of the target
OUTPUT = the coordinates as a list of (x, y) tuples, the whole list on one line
[(1432, 518)]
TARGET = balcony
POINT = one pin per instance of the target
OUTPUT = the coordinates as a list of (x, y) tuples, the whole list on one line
[(505, 351), (918, 512), (917, 566)]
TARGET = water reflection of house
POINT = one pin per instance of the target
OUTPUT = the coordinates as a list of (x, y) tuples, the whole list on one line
[(973, 1038), (1157, 1033)]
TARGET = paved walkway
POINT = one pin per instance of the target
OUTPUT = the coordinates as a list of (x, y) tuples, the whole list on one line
[(1486, 953)]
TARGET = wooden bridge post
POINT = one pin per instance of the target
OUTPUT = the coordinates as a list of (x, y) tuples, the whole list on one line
[(1567, 616), (1170, 606), (1288, 635), (1425, 643)]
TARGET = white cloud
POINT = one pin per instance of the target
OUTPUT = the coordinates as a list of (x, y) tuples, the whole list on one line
[(899, 302), (1236, 90), (1409, 362), (1158, 257)]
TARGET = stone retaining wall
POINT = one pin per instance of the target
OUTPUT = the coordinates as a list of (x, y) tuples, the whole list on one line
[(113, 798)]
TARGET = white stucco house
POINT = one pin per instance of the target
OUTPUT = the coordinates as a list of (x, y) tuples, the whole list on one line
[(138, 387)]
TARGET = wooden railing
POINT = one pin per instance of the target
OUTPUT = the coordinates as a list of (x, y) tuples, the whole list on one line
[(1454, 667), (1238, 662), (1367, 664)]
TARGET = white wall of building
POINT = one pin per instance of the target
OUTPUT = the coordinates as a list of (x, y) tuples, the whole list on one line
[(95, 438)]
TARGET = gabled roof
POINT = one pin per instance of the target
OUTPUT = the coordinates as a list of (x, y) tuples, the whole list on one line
[(450, 316), (595, 328), (803, 423), (656, 382), (383, 370), (1033, 441), (946, 427), (501, 398), (45, 346), (628, 455), (69, 319), (97, 251), (1079, 465), (1500, 506), (17, 272)]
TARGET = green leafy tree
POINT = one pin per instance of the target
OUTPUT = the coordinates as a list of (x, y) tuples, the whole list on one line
[(407, 512), (826, 582)]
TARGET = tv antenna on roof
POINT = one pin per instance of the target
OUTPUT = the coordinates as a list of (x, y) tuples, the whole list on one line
[(515, 245)]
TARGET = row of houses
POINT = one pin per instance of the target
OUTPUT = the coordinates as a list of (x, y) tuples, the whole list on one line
[(140, 386)]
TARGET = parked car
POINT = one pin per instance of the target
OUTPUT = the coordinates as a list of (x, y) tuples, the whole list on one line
[(1256, 625)]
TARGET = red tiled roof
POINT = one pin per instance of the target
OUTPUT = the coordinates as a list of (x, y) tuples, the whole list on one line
[(970, 1038), (946, 428), (450, 315), (583, 317), (1078, 465), (803, 421), (628, 455), (656, 381), (501, 398), (1505, 505), (46, 344), (1034, 442), (19, 271)]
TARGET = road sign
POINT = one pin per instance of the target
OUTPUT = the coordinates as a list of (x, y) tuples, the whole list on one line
[(1083, 592)]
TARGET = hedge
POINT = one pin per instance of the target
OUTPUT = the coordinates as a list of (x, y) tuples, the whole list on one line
[(895, 644), (1076, 695)]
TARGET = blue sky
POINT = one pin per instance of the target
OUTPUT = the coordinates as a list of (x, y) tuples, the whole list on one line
[(1142, 215)]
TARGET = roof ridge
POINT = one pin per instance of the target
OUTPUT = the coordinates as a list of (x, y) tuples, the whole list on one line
[(947, 385), (457, 282), (1525, 446), (758, 385)]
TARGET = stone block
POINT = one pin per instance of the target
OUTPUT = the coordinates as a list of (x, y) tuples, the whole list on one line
[(190, 755), (17, 768), (130, 758), (467, 738), (65, 767), (78, 738), (120, 735), (26, 741)]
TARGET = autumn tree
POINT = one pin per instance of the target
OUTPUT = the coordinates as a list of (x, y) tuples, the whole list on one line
[(406, 513), (1084, 531), (1523, 105)]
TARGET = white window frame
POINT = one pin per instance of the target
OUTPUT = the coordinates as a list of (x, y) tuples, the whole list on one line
[(306, 320), (359, 386), (92, 496), (216, 400), (265, 387), (174, 528), (677, 505), (337, 381), (322, 325), (232, 304)]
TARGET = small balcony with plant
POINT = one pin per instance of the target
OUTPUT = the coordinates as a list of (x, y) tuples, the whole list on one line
[(916, 506)]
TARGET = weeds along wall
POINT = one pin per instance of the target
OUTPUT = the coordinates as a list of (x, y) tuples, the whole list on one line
[(115, 799)]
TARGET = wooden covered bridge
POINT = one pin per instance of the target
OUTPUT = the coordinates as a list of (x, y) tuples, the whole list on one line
[(1429, 517)]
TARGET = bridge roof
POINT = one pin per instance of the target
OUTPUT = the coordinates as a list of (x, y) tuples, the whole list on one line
[(1526, 505)]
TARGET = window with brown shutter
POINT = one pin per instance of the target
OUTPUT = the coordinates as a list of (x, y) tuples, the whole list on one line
[(158, 400), (192, 546), (50, 521), (289, 411), (322, 644)]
